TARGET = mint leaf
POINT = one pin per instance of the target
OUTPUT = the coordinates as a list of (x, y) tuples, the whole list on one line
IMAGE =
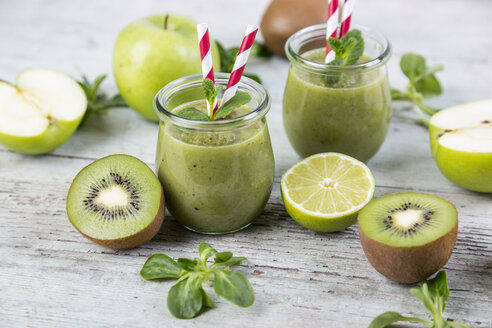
[(209, 90), (239, 99), (335, 44), (98, 102), (160, 266), (234, 287), (387, 318), (348, 50), (193, 114), (185, 299), (412, 65), (228, 57), (259, 50)]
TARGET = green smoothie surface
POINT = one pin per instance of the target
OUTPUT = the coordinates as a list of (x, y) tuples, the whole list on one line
[(228, 136)]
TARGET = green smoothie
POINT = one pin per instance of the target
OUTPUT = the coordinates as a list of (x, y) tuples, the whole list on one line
[(350, 116), (215, 180)]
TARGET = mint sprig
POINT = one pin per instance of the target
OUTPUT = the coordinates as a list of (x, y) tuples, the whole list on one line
[(210, 93), (434, 294), (187, 297), (347, 50), (97, 101), (423, 84)]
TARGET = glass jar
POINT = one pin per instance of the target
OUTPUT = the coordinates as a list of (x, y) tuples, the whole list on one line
[(327, 108), (217, 175)]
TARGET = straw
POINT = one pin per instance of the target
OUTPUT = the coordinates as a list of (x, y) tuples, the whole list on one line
[(347, 10), (241, 59), (206, 56), (331, 28)]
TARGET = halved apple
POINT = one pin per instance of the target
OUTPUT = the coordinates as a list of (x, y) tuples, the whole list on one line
[(41, 111), (461, 143)]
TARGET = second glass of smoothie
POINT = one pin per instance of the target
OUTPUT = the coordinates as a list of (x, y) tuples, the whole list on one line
[(350, 116), (217, 175)]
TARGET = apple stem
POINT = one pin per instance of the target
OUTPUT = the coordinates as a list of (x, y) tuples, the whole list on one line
[(165, 21)]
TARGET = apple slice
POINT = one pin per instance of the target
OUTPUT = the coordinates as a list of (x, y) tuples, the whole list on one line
[(461, 143), (41, 112)]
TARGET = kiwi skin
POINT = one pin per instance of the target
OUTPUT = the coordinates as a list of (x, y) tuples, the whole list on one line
[(282, 18), (409, 264), (138, 239)]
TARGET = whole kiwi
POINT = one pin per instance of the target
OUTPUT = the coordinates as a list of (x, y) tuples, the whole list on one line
[(282, 18)]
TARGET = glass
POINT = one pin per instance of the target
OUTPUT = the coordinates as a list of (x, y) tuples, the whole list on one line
[(217, 175), (349, 116)]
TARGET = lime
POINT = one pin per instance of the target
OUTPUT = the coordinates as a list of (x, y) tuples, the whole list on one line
[(324, 192)]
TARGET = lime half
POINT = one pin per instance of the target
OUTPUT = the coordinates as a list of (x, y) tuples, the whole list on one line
[(324, 192)]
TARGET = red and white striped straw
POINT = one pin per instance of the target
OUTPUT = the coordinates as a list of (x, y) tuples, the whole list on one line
[(206, 55), (348, 9), (331, 28), (241, 59)]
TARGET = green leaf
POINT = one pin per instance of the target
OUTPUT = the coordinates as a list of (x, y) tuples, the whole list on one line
[(387, 318), (234, 287), (398, 95), (335, 44), (438, 287), (428, 86), (185, 299), (412, 65), (259, 50), (209, 90), (160, 266), (354, 47), (253, 77), (207, 300), (206, 251), (222, 256), (230, 262), (193, 114), (187, 264), (239, 99)]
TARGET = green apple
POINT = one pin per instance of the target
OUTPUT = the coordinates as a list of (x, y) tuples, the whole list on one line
[(461, 143), (150, 53), (41, 111)]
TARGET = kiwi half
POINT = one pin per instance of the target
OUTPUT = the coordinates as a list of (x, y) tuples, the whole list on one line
[(408, 236), (117, 202)]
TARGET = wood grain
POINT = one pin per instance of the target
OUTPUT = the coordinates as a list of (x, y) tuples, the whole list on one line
[(50, 276)]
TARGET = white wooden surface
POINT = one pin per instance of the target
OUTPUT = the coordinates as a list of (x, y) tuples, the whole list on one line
[(50, 276)]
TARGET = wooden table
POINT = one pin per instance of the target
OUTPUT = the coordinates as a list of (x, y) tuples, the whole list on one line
[(50, 276)]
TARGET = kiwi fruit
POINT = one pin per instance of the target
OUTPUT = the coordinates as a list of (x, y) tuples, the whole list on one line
[(408, 236), (282, 18), (117, 202)]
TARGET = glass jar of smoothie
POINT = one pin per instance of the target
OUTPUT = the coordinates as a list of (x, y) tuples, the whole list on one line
[(217, 175), (345, 109)]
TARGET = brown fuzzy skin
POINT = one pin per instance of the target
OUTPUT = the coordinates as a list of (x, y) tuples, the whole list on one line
[(138, 239), (409, 264), (283, 18)]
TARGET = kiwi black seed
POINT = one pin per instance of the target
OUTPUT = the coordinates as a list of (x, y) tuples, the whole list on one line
[(408, 236), (117, 202)]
